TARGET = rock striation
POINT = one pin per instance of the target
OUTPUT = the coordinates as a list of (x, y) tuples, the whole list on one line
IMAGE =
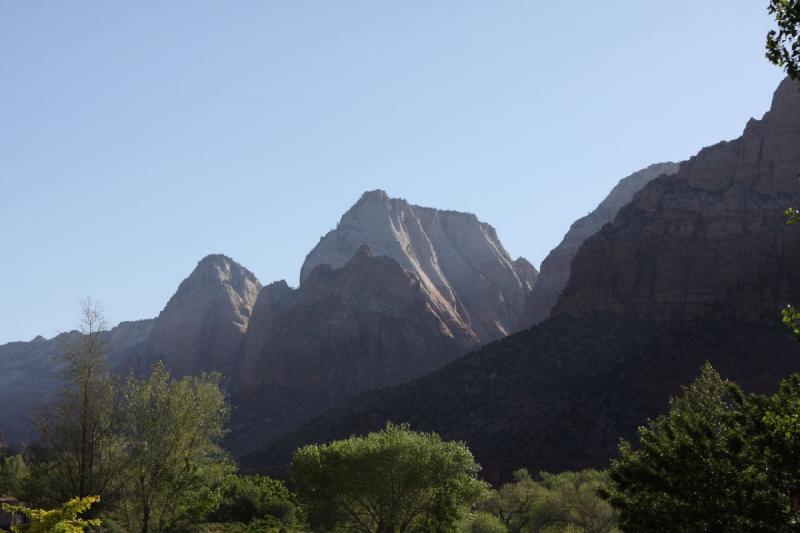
[(555, 269), (365, 325), (203, 324), (458, 259)]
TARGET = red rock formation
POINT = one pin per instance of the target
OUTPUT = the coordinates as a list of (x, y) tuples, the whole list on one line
[(366, 325), (556, 266), (711, 239), (203, 324)]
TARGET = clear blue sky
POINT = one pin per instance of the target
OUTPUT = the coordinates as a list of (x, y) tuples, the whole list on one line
[(137, 137)]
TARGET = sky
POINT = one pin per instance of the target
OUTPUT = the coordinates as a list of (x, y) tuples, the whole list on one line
[(138, 137)]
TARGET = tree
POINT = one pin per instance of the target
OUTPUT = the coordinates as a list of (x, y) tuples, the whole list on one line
[(566, 501), (171, 430), (706, 465), (14, 474), (247, 498), (391, 481), (783, 44), (79, 426), (63, 519)]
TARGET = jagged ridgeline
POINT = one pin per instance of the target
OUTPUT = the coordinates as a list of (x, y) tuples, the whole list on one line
[(696, 267), (394, 292)]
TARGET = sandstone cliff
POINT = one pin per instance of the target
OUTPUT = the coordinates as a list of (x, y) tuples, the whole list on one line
[(696, 268), (203, 324), (458, 259), (555, 269), (711, 239), (366, 325)]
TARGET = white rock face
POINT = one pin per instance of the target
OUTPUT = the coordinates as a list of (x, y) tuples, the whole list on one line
[(459, 259)]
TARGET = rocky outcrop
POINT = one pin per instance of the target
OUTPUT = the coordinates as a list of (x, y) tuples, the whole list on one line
[(272, 302), (366, 325), (458, 259), (555, 269), (30, 372), (203, 324), (712, 239), (695, 268)]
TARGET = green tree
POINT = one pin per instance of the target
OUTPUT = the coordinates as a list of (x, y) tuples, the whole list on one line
[(247, 498), (568, 501), (704, 466), (171, 430), (391, 481), (482, 522), (783, 44), (14, 475), (63, 519), (79, 428)]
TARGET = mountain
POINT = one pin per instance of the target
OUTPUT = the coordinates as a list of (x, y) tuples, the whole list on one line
[(696, 268), (711, 240), (458, 259), (204, 323), (31, 371), (555, 269), (365, 325)]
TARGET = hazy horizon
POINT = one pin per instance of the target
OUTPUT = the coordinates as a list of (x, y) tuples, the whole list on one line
[(137, 139)]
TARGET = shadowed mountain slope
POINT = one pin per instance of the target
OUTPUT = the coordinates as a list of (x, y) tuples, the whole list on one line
[(696, 268)]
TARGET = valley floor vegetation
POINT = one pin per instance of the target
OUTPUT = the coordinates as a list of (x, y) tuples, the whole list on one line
[(143, 455)]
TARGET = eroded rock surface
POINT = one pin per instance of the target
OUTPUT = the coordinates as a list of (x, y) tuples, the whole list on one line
[(203, 324), (555, 269), (458, 259)]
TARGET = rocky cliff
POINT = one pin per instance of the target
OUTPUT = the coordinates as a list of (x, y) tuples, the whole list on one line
[(204, 323), (365, 325), (458, 259), (696, 268), (711, 239), (555, 269)]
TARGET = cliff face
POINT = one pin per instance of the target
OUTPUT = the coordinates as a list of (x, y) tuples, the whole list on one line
[(696, 268), (711, 239), (556, 267), (368, 324), (203, 324), (458, 259)]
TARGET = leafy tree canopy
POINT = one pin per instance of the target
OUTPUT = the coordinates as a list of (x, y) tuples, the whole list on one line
[(63, 519), (783, 44), (391, 481), (569, 501), (718, 461)]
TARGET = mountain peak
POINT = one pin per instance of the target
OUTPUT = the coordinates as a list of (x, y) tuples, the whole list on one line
[(451, 252), (211, 309), (376, 195)]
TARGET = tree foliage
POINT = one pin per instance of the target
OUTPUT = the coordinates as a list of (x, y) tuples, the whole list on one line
[(715, 462), (569, 501), (79, 427), (15, 473), (394, 480), (171, 432), (63, 519), (246, 499), (783, 44)]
